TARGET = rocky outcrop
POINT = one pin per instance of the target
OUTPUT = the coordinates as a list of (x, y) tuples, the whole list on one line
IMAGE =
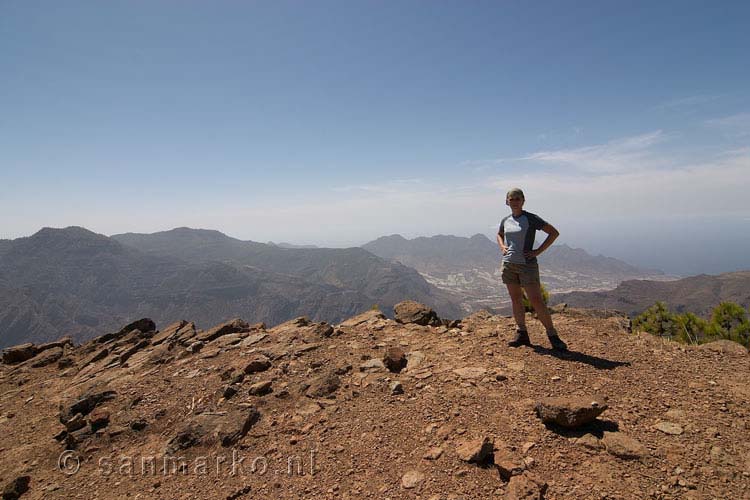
[(24, 352), (409, 311), (232, 326), (18, 353), (226, 428)]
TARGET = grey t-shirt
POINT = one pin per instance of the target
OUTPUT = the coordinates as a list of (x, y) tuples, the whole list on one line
[(519, 233)]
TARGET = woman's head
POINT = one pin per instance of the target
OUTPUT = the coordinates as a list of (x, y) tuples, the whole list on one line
[(515, 193)]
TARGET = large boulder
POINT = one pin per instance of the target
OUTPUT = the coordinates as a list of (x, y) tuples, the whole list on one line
[(410, 311), (570, 412), (19, 353)]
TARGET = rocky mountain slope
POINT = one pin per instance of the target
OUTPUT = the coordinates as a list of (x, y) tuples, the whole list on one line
[(372, 408), (696, 294), (349, 268), (75, 282), (469, 267)]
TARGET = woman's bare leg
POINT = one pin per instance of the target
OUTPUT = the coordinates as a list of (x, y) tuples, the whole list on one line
[(516, 297), (534, 293)]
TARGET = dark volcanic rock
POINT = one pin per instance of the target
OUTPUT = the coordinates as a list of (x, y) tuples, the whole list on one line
[(409, 311), (233, 326), (258, 364), (207, 428), (98, 419), (47, 357), (189, 435), (140, 345), (143, 325), (16, 488), (84, 405), (570, 412), (64, 341), (261, 388), (323, 385), (322, 329), (169, 333), (19, 353), (395, 359)]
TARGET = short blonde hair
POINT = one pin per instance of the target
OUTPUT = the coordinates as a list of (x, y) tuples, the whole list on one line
[(516, 192)]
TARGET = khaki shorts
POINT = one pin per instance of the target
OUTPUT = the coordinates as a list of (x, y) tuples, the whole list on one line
[(520, 274)]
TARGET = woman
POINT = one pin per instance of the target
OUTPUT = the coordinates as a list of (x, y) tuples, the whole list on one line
[(520, 270)]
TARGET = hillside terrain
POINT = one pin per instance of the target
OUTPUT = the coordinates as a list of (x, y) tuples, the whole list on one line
[(470, 267), (696, 294), (372, 408), (75, 282)]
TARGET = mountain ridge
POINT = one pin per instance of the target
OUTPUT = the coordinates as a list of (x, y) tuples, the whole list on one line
[(697, 294), (74, 281)]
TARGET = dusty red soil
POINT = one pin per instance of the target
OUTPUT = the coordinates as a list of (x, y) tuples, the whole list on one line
[(360, 440)]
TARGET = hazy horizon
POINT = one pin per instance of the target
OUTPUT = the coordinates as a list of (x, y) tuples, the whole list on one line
[(688, 263), (333, 123)]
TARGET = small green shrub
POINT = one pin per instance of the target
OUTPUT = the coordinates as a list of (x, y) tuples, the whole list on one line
[(728, 321), (691, 329), (657, 320)]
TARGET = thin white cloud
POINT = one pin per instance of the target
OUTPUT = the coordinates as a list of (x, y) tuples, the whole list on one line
[(390, 186), (737, 125), (687, 102), (618, 155), (353, 214)]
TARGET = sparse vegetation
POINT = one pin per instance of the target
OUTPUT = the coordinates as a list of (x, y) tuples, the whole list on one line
[(728, 321)]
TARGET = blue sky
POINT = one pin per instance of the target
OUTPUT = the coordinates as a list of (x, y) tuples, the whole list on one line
[(333, 123)]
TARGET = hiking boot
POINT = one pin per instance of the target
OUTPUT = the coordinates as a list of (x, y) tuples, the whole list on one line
[(557, 343), (521, 338)]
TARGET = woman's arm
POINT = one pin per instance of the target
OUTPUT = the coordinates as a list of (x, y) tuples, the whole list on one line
[(501, 243), (552, 235)]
